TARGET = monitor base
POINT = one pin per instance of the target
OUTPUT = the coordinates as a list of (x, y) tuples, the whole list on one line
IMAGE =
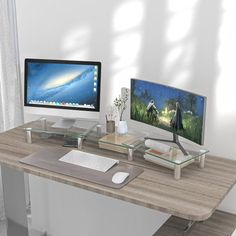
[(174, 140)]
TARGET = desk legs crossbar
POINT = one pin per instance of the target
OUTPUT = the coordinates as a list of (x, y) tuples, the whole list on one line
[(188, 227)]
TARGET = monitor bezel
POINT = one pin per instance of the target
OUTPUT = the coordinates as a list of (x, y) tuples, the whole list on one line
[(96, 63), (172, 87)]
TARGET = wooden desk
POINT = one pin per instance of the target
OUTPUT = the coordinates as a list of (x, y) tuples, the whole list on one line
[(194, 197)]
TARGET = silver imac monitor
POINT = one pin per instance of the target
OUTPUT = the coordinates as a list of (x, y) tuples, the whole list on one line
[(69, 89)]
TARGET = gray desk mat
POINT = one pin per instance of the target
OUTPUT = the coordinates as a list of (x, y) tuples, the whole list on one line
[(48, 159)]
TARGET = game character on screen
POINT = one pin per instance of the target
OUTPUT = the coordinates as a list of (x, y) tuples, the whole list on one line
[(152, 111), (177, 122)]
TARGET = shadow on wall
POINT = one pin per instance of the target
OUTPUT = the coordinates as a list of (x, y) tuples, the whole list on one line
[(175, 43), (183, 43), (226, 96), (162, 41)]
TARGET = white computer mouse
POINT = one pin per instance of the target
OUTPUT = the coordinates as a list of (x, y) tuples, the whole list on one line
[(119, 177)]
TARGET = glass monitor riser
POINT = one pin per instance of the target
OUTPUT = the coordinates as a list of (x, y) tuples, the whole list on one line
[(64, 123), (174, 140)]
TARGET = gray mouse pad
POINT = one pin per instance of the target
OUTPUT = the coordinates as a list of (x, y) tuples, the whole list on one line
[(49, 159)]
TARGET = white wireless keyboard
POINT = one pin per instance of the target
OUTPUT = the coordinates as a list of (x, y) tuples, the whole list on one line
[(89, 160)]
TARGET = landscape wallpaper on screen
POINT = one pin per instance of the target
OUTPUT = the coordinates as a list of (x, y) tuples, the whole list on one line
[(58, 84), (168, 108)]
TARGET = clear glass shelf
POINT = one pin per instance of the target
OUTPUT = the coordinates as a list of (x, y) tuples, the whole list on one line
[(170, 152), (174, 155), (125, 144), (80, 129), (162, 153), (129, 140)]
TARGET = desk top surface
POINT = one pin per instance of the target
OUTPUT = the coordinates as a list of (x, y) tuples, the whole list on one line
[(195, 196)]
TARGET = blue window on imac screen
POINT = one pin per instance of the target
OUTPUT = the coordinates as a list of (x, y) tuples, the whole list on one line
[(62, 84)]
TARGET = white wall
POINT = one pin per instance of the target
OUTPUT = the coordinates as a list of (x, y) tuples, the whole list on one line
[(189, 44)]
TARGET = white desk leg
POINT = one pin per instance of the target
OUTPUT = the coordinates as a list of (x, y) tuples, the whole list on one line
[(177, 172), (202, 161), (14, 195)]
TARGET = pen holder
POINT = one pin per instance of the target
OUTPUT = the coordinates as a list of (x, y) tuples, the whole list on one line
[(110, 125)]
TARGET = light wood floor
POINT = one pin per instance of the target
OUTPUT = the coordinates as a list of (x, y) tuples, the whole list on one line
[(220, 224)]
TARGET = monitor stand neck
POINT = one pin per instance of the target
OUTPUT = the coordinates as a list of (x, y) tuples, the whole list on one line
[(174, 140)]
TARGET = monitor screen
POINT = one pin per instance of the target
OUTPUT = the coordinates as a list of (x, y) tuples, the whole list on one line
[(168, 108), (62, 84)]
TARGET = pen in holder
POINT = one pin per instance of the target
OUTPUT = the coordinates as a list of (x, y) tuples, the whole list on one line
[(110, 126)]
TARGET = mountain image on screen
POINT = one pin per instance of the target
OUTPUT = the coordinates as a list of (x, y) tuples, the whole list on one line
[(168, 108), (61, 83)]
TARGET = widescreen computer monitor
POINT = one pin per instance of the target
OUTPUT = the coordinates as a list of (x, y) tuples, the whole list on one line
[(175, 110), (68, 89)]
